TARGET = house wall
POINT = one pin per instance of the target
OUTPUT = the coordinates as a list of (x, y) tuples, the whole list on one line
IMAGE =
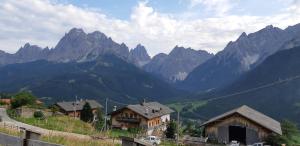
[(220, 129), (130, 114), (149, 124), (77, 114)]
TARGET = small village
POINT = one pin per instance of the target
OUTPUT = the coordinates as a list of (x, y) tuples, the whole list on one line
[(88, 122)]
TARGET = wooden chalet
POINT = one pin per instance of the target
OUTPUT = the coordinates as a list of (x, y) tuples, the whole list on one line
[(150, 116), (243, 124), (74, 108)]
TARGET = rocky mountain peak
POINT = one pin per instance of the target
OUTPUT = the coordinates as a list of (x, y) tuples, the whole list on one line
[(97, 35), (2, 52), (242, 36), (178, 50), (139, 55), (29, 49), (140, 49), (177, 64), (76, 31)]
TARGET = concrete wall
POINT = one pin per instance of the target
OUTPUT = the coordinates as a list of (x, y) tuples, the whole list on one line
[(28, 112), (8, 140)]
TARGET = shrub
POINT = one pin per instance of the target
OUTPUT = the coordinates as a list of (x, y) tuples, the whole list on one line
[(134, 130), (99, 123), (22, 98), (290, 135), (38, 115)]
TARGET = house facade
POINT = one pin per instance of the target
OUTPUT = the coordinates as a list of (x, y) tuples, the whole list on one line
[(150, 116), (74, 108), (243, 124)]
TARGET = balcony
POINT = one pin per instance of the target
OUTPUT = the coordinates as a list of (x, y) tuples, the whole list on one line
[(128, 119)]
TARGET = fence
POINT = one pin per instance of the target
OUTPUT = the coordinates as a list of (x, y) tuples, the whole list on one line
[(9, 140)]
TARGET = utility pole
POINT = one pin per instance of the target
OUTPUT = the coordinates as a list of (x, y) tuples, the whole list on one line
[(177, 141), (105, 118)]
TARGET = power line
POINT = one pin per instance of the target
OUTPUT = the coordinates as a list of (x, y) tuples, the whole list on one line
[(256, 88), (116, 102)]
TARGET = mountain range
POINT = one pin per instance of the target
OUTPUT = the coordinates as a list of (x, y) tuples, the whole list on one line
[(272, 87), (92, 65), (177, 64), (78, 46), (107, 76), (238, 57)]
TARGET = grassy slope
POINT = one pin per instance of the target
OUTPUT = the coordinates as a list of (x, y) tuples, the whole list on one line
[(190, 106), (61, 123)]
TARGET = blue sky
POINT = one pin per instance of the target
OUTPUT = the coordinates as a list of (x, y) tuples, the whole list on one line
[(122, 8), (159, 25)]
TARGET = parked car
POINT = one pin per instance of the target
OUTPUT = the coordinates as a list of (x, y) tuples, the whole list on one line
[(234, 143), (153, 140), (257, 144)]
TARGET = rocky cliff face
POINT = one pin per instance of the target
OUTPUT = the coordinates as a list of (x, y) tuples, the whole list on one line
[(76, 45), (139, 56), (177, 64)]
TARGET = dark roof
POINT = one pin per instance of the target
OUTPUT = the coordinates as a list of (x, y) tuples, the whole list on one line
[(148, 110), (252, 115), (69, 106)]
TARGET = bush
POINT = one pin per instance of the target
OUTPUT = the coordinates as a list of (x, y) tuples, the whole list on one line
[(21, 99), (99, 123), (134, 130), (39, 115), (12, 113), (290, 135)]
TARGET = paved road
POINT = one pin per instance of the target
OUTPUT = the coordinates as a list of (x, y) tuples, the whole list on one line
[(8, 121)]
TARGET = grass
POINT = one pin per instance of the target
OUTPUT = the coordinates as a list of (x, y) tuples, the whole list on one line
[(78, 142), (9, 131), (61, 123), (189, 106), (168, 143), (63, 140)]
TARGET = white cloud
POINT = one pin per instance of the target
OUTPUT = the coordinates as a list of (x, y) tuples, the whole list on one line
[(43, 23), (219, 7)]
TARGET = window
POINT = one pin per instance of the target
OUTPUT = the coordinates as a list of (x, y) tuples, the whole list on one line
[(126, 115), (131, 115)]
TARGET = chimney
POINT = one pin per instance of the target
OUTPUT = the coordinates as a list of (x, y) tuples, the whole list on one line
[(143, 102), (115, 108), (147, 111)]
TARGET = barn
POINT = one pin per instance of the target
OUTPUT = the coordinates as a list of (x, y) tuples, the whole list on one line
[(242, 124)]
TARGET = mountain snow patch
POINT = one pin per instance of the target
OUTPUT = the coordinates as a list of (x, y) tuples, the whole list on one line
[(248, 60)]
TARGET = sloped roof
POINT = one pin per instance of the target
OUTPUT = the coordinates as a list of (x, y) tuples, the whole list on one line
[(148, 110), (252, 115), (69, 106)]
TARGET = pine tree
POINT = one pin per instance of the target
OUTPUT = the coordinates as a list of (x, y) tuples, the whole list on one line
[(171, 130), (86, 113)]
